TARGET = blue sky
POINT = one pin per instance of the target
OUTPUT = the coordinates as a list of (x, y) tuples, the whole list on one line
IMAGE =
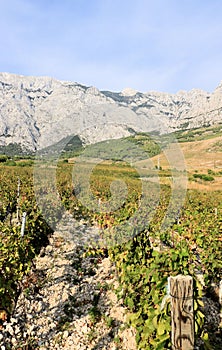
[(164, 45)]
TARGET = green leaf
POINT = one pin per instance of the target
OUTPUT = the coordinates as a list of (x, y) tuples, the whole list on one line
[(161, 328)]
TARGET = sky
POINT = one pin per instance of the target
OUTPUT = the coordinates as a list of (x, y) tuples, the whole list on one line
[(161, 45)]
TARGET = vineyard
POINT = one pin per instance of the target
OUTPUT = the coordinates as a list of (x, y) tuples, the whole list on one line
[(144, 251), (18, 252)]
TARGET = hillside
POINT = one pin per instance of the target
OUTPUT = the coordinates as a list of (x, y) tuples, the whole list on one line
[(202, 151), (36, 112)]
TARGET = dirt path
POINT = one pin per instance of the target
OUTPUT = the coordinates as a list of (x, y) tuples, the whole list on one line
[(69, 302)]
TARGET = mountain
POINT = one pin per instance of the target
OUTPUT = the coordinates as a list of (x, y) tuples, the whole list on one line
[(36, 112)]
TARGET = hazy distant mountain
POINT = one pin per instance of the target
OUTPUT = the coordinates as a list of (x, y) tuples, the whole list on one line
[(37, 112)]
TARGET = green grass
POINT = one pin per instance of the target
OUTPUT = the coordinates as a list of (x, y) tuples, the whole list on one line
[(198, 134)]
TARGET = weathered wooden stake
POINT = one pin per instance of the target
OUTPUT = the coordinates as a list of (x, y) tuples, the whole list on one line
[(182, 315), (220, 293), (220, 301), (215, 211), (158, 163), (18, 199), (23, 224)]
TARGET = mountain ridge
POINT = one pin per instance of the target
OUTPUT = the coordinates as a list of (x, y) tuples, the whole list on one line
[(37, 112)]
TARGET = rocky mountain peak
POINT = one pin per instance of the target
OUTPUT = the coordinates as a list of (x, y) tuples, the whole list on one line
[(128, 92), (38, 111)]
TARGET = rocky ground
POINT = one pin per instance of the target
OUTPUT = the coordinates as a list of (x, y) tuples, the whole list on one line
[(68, 302)]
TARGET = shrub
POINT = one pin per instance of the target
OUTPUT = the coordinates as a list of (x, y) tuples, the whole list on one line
[(3, 158), (10, 162), (203, 177)]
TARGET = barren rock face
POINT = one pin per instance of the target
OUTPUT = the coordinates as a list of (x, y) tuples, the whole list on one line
[(39, 111)]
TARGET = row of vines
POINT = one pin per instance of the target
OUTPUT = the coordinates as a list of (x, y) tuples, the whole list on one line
[(17, 252), (192, 245), (144, 261)]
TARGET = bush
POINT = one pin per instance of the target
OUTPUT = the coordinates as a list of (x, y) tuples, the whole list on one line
[(3, 158), (25, 163), (211, 172), (10, 163), (203, 177)]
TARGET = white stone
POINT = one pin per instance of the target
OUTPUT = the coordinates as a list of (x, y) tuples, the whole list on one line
[(40, 111), (65, 334)]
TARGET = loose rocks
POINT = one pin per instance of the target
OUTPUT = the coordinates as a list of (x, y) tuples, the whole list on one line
[(68, 303)]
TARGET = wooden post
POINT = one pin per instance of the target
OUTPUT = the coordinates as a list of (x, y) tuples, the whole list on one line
[(215, 211), (100, 201), (220, 301), (182, 315), (23, 224), (158, 163), (18, 199), (220, 292)]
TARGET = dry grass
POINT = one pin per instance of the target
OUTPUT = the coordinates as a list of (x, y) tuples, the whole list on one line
[(195, 156), (199, 156)]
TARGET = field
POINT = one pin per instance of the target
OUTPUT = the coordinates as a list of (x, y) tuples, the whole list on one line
[(152, 222), (201, 156)]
